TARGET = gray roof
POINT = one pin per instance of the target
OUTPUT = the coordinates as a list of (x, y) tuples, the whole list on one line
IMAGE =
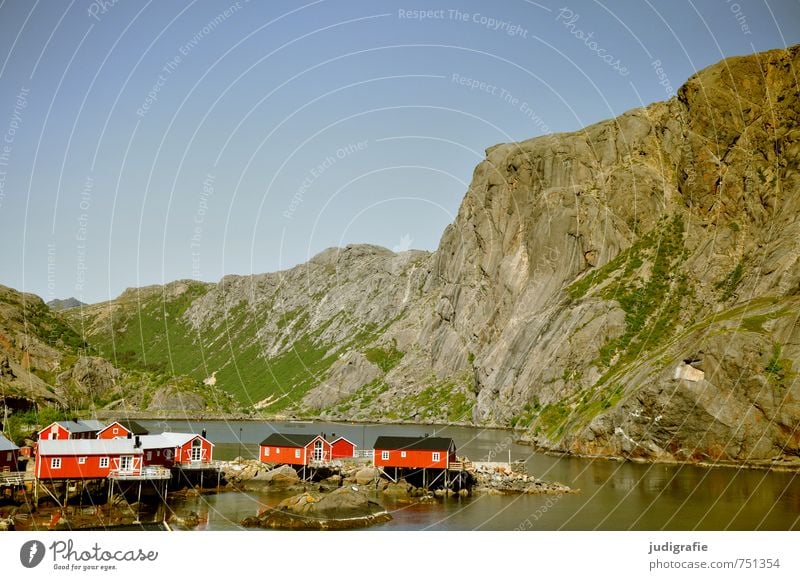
[(6, 445), (76, 427), (93, 424), (88, 447)]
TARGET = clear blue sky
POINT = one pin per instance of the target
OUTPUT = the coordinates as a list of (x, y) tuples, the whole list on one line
[(142, 142)]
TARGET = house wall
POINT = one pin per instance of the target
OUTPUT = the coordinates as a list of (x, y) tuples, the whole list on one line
[(72, 468), (8, 460), (108, 432), (414, 458), (342, 449), (284, 455), (183, 454), (54, 432)]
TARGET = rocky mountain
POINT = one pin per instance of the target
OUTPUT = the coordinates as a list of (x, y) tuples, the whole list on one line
[(45, 362), (630, 289), (63, 304)]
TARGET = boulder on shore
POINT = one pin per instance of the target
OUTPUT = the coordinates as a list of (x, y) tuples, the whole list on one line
[(283, 476), (341, 509)]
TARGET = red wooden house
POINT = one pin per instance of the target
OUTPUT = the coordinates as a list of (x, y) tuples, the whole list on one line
[(9, 454), (68, 430), (121, 429), (184, 449), (86, 459), (342, 448), (294, 449), (414, 452)]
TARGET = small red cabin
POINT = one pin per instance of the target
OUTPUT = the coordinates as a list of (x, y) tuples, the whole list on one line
[(414, 452), (121, 429), (294, 449), (9, 455), (86, 459), (168, 449), (189, 449), (342, 448), (68, 430)]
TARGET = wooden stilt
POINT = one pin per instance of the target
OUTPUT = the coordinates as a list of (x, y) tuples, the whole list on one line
[(138, 502)]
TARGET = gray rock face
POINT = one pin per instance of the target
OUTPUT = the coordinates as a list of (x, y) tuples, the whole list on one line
[(170, 398), (90, 378)]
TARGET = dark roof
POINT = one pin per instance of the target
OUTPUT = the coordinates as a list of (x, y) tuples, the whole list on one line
[(289, 439), (421, 443), (134, 427)]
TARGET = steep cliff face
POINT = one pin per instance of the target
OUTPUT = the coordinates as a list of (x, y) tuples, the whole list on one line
[(583, 269), (628, 289)]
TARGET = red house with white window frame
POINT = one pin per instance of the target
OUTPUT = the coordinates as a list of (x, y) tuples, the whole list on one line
[(342, 448), (188, 449), (414, 452), (121, 429), (67, 430), (183, 449), (9, 455), (86, 459), (294, 449)]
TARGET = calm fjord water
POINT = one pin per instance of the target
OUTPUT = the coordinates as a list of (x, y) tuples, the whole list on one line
[(614, 495)]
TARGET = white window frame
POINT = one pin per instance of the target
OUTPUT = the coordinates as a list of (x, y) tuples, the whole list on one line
[(277, 451), (149, 456), (385, 455), (103, 462), (9, 456), (297, 454), (55, 463), (266, 451), (436, 456), (402, 454), (115, 430), (81, 460)]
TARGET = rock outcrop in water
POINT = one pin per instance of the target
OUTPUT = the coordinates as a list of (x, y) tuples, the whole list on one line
[(631, 289), (342, 509)]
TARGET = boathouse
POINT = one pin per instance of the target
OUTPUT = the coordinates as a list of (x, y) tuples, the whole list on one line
[(414, 452), (342, 448), (121, 429), (187, 450), (295, 449), (86, 459), (9, 455), (68, 430)]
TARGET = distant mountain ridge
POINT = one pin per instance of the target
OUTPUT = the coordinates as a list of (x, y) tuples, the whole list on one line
[(630, 290), (64, 304)]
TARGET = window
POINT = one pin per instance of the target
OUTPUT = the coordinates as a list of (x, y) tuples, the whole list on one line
[(384, 455), (81, 460), (436, 456), (9, 456), (402, 454), (266, 451), (297, 454), (277, 451), (149, 455), (104, 462), (55, 463), (115, 430)]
